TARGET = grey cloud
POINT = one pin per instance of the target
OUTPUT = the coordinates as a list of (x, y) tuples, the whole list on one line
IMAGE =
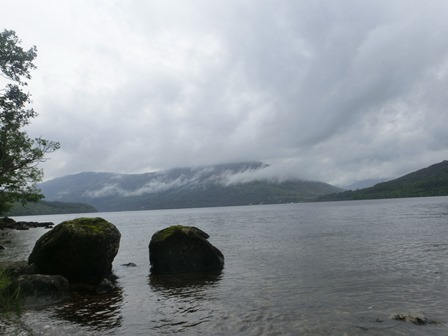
[(331, 91)]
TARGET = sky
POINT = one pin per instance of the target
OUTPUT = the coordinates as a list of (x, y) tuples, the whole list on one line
[(334, 91)]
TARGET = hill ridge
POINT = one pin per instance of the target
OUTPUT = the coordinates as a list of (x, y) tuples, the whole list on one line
[(186, 187), (429, 181)]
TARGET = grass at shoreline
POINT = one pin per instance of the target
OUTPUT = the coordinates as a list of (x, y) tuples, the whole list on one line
[(10, 297)]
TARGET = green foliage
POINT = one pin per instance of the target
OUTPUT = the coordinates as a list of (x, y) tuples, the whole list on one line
[(19, 154), (10, 296)]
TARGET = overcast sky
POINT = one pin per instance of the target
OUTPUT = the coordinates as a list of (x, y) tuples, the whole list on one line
[(335, 91)]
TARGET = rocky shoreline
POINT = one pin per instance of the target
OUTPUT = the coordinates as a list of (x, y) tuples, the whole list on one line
[(9, 223), (53, 271)]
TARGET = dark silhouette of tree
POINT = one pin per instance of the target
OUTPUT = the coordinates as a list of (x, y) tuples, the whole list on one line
[(19, 154)]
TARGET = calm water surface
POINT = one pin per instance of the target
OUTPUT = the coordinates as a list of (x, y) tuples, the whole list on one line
[(339, 268)]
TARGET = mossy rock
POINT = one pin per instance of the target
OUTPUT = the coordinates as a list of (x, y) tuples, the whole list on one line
[(81, 250), (187, 230), (183, 249)]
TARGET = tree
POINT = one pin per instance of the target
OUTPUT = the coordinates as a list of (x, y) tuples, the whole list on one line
[(19, 154)]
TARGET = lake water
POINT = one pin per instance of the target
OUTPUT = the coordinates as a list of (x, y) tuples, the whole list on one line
[(337, 268)]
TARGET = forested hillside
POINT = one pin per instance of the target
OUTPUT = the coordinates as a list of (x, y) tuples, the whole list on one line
[(430, 181)]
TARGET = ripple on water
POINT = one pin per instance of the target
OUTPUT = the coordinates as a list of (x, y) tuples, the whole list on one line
[(312, 269)]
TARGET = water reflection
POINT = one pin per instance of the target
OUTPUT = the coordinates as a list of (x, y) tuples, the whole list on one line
[(99, 312), (184, 300), (185, 284)]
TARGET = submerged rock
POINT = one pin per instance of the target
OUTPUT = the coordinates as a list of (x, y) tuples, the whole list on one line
[(38, 290), (413, 317), (105, 286), (80, 250), (182, 249)]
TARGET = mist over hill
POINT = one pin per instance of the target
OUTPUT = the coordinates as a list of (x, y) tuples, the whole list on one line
[(218, 185)]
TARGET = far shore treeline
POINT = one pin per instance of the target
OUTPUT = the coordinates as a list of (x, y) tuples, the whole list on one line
[(49, 208)]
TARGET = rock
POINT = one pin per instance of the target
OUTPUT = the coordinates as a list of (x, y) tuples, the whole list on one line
[(81, 250), (105, 286), (17, 268), (27, 225), (6, 222), (182, 249), (413, 317), (130, 264), (40, 290), (9, 223)]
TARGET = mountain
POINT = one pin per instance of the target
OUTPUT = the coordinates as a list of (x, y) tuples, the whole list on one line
[(363, 184), (219, 185), (48, 208), (430, 181)]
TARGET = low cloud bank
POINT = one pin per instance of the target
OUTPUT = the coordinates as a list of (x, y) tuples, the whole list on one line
[(190, 178)]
